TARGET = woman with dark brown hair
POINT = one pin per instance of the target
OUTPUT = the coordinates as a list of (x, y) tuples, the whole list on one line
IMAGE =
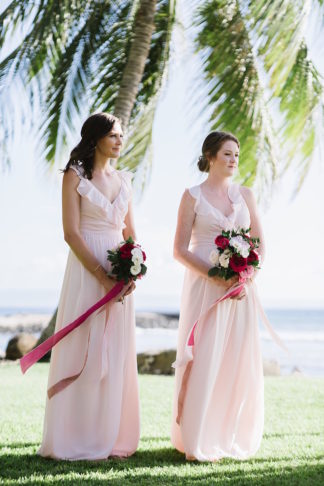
[(218, 400), (92, 409)]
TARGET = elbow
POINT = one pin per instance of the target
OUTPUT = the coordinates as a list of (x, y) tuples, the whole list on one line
[(70, 236), (177, 253)]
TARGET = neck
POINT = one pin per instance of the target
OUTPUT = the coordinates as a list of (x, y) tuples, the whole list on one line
[(101, 163), (218, 182)]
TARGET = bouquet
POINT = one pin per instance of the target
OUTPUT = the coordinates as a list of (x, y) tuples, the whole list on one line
[(127, 261), (235, 254)]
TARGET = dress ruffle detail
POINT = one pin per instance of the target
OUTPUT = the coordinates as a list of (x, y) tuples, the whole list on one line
[(204, 208)]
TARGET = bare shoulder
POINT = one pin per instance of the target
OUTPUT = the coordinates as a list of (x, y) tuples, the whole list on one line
[(246, 191), (70, 179), (248, 195), (70, 175), (188, 199)]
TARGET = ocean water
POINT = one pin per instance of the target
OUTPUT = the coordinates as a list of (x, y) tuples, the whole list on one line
[(301, 330)]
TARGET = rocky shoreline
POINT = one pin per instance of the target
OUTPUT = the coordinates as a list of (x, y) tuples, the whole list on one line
[(24, 326), (35, 323)]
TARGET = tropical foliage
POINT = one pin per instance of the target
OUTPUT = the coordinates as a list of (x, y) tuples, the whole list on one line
[(77, 51), (262, 84), (259, 80)]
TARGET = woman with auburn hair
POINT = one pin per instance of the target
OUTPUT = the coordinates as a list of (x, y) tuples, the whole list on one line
[(218, 399), (92, 408)]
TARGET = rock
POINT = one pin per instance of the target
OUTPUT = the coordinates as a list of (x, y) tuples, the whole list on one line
[(296, 371), (156, 362), (20, 345), (154, 320), (159, 363), (271, 368)]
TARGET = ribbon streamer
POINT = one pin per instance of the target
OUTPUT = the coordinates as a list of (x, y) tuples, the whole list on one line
[(188, 359), (37, 353)]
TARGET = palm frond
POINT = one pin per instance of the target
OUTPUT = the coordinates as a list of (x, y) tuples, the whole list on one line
[(235, 90), (293, 78), (76, 53)]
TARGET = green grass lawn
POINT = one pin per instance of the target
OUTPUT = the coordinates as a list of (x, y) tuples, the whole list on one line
[(291, 452)]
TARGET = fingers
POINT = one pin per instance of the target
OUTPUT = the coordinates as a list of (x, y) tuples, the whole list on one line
[(128, 289)]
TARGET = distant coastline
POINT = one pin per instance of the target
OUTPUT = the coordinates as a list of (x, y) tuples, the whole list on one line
[(302, 330)]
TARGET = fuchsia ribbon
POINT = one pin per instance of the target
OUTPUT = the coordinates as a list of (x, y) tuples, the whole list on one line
[(37, 353), (234, 291)]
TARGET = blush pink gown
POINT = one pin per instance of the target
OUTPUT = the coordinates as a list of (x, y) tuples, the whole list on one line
[(222, 413), (98, 414)]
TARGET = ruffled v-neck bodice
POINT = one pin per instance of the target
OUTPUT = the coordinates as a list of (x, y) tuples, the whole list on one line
[(210, 221), (98, 214)]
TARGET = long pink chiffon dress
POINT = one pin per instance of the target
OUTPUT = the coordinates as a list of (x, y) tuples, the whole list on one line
[(222, 414), (97, 415)]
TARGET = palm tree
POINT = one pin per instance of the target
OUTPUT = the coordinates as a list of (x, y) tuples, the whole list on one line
[(258, 78), (102, 55)]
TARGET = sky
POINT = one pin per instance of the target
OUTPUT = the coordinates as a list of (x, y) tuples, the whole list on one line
[(33, 252)]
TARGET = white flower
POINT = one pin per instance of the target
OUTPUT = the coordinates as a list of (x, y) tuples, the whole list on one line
[(224, 259), (137, 257), (242, 246), (135, 269), (214, 258), (137, 260)]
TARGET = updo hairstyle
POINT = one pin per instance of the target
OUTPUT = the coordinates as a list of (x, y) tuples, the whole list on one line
[(212, 144)]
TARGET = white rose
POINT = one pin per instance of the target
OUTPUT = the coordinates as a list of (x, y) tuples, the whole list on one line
[(137, 257), (224, 260), (135, 269), (137, 260), (214, 258), (242, 246)]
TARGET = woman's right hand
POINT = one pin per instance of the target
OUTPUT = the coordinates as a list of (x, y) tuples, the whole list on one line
[(226, 284), (109, 283)]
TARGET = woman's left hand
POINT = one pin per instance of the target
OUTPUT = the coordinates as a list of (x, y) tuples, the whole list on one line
[(129, 289), (241, 295)]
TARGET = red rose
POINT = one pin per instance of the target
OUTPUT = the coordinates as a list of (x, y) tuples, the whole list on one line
[(126, 250), (144, 255), (238, 263), (222, 241), (253, 257)]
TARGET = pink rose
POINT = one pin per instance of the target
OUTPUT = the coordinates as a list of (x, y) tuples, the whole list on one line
[(247, 273)]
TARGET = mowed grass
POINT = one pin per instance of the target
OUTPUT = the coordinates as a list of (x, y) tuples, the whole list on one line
[(291, 452)]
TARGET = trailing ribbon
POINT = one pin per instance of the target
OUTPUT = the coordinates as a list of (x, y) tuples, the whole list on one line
[(234, 291), (37, 353)]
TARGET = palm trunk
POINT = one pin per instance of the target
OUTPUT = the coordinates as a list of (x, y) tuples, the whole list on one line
[(138, 54), (132, 76)]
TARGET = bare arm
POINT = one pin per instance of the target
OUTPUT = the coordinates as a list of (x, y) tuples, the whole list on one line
[(71, 227), (186, 218), (129, 222), (256, 227)]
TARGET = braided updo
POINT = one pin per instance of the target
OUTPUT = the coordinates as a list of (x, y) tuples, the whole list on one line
[(212, 144), (94, 128)]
